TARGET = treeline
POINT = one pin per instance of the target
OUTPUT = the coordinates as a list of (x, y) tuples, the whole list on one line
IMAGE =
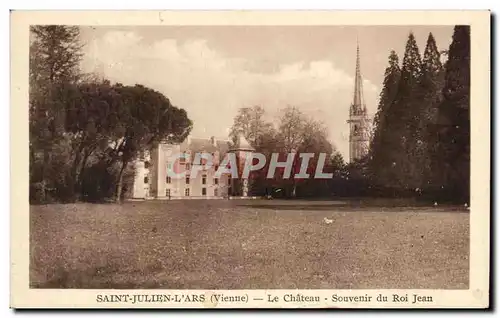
[(293, 132), (85, 132), (421, 138)]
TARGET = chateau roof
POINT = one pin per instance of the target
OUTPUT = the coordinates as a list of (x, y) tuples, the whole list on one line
[(196, 145), (242, 144)]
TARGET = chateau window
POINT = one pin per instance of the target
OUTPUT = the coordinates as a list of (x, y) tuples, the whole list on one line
[(203, 191), (188, 166), (216, 193), (204, 180), (167, 192), (203, 162), (216, 181), (169, 179), (186, 192), (146, 179), (187, 180)]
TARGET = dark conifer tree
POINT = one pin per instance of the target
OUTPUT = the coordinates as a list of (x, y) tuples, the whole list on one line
[(402, 121), (380, 167), (55, 54), (453, 160), (431, 86)]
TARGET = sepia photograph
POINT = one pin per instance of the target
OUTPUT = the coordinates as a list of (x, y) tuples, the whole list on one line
[(251, 157)]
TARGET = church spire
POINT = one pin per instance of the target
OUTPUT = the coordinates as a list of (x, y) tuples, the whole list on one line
[(358, 123), (358, 102)]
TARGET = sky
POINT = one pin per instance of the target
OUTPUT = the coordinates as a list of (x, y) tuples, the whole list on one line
[(212, 71)]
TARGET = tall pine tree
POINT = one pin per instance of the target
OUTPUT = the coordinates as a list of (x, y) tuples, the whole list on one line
[(402, 120), (453, 160), (55, 54), (380, 165), (431, 85)]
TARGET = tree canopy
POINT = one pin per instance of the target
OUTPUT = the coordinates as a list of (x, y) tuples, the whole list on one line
[(79, 126), (421, 144)]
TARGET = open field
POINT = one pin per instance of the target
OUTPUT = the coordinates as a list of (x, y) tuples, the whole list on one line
[(220, 244)]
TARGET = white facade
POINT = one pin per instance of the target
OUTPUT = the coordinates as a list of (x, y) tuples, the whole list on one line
[(152, 181)]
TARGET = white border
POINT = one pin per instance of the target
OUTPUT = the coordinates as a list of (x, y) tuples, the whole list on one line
[(477, 116)]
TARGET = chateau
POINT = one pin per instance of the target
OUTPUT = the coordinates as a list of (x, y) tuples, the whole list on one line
[(152, 181), (358, 119)]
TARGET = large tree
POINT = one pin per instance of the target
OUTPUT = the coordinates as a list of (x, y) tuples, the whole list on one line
[(452, 164), (250, 122), (380, 164), (55, 54), (431, 85), (292, 129), (146, 117), (403, 119), (315, 140), (112, 125), (91, 120), (298, 133)]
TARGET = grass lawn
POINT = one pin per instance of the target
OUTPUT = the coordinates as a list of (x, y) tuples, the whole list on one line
[(248, 244)]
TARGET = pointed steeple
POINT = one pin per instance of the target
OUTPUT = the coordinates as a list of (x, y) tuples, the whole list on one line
[(358, 102), (241, 143), (358, 123)]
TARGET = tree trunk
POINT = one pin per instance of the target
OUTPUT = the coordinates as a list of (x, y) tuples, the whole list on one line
[(79, 181), (292, 176), (74, 169), (119, 186), (46, 163)]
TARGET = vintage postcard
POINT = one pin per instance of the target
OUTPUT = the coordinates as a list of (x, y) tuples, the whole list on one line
[(246, 159)]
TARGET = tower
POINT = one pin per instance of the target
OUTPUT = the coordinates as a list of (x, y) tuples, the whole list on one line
[(243, 150), (358, 119)]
